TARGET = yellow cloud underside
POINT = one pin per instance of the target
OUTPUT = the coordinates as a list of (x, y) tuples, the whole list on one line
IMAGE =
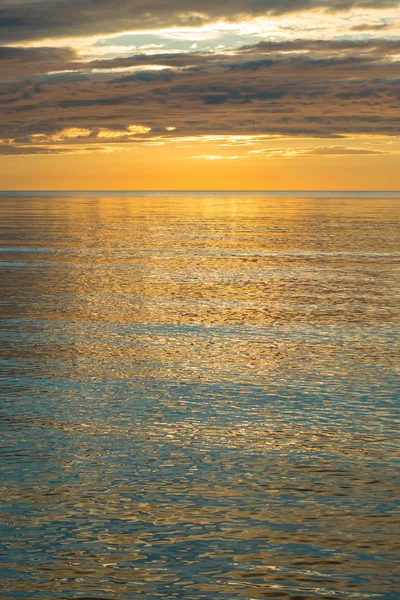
[(219, 146), (283, 164)]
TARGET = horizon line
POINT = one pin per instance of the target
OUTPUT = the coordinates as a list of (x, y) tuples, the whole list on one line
[(4, 191)]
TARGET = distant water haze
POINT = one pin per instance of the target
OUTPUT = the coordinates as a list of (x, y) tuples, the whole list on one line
[(188, 194), (199, 394)]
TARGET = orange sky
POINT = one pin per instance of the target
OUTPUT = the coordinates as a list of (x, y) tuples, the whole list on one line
[(161, 168), (228, 95)]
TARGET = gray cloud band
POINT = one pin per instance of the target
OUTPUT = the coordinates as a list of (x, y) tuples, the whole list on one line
[(300, 88), (59, 18)]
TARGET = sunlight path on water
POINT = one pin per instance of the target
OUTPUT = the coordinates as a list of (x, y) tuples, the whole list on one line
[(199, 396)]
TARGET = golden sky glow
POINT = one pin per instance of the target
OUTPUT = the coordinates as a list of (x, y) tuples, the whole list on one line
[(160, 168), (288, 96)]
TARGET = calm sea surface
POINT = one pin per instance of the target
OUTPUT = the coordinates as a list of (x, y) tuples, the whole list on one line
[(199, 396)]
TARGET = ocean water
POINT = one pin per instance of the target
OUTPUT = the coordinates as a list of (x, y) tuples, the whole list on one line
[(199, 396)]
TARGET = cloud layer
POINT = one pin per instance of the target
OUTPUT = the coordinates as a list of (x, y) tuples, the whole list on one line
[(56, 98), (299, 88), (23, 20)]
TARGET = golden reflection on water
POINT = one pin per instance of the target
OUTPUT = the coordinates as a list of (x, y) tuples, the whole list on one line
[(199, 397), (210, 261)]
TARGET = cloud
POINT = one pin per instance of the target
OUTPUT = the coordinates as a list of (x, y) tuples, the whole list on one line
[(297, 88), (11, 150), (341, 151), (39, 54), (161, 66), (21, 61), (147, 76), (376, 46), (371, 27), (215, 157), (310, 152), (26, 20)]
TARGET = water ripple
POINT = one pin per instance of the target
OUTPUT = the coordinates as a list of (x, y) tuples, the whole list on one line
[(199, 397)]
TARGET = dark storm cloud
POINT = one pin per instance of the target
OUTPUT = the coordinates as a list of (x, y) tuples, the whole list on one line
[(24, 20), (300, 88)]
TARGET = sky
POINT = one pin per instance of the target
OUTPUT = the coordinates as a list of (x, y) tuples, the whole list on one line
[(229, 94)]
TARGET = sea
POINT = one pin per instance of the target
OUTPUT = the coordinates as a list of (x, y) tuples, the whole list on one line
[(199, 395)]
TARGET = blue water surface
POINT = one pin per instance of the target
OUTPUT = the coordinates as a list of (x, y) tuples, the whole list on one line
[(199, 396)]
